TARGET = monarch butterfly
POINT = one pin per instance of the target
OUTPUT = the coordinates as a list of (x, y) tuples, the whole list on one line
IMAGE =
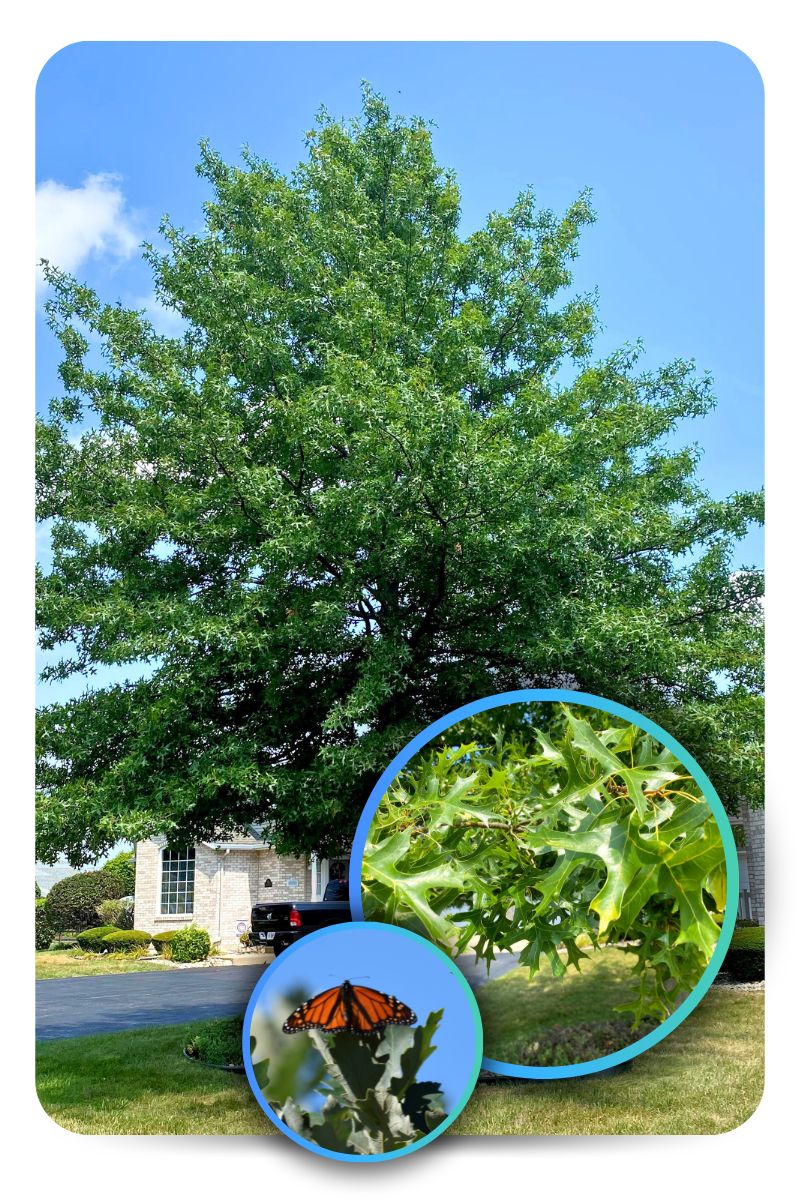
[(348, 1009)]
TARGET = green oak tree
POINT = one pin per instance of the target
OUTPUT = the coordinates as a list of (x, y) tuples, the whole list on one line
[(380, 474)]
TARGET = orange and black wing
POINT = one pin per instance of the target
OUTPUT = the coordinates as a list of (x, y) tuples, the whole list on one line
[(318, 1012), (372, 1010), (348, 1009)]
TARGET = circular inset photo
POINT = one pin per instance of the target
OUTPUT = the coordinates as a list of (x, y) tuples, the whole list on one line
[(362, 1042), (571, 858)]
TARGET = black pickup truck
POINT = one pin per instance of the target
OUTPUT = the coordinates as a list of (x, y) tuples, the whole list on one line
[(276, 926)]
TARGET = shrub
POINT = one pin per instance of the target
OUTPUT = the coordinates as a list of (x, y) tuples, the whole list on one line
[(745, 923), (123, 867), (72, 902), (44, 930), (162, 941), (218, 1042), (91, 940), (745, 957), (561, 1047), (122, 940), (118, 913), (38, 890), (190, 944)]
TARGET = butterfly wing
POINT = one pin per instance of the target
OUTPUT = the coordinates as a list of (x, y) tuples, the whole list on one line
[(348, 1009), (318, 1012), (373, 1010)]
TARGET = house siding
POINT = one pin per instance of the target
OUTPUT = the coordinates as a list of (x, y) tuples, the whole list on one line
[(227, 885), (753, 821)]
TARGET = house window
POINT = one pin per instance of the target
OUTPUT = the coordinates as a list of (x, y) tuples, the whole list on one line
[(177, 881)]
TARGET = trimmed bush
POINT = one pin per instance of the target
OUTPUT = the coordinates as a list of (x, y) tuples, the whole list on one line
[(218, 1042), (190, 944), (122, 940), (44, 930), (123, 867), (38, 890), (745, 957), (162, 941), (118, 913), (745, 923), (72, 902), (91, 940)]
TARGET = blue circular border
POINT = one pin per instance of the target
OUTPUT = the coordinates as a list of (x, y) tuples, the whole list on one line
[(524, 696), (476, 1063)]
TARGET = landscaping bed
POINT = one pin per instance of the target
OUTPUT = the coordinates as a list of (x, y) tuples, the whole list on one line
[(517, 1010), (218, 1044), (564, 1046), (66, 964)]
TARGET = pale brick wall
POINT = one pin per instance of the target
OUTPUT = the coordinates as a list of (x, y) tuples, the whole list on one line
[(227, 885)]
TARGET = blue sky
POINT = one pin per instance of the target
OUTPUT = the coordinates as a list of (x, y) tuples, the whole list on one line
[(398, 965), (668, 135)]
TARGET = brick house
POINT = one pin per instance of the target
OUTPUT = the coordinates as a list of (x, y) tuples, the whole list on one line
[(216, 884)]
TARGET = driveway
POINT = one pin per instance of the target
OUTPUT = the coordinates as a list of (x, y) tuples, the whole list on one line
[(107, 1003), (476, 976)]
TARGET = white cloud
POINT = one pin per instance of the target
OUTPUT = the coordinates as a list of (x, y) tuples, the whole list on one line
[(165, 321), (74, 223)]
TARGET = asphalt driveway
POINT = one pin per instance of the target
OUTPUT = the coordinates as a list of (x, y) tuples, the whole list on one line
[(477, 975), (107, 1003)]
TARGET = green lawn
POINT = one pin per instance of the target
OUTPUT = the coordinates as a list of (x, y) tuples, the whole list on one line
[(512, 1007), (140, 1083), (706, 1077), (59, 964)]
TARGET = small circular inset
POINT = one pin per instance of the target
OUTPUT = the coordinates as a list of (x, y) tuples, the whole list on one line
[(362, 1042)]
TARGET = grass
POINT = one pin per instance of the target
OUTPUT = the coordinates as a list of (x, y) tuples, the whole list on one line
[(140, 1082), (706, 1077), (512, 1007), (59, 964)]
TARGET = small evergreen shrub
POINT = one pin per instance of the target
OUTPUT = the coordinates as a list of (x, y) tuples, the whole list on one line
[(72, 902), (38, 890), (745, 957), (118, 913), (745, 923), (218, 1042), (44, 930), (123, 940), (163, 941), (91, 940), (123, 867), (190, 944)]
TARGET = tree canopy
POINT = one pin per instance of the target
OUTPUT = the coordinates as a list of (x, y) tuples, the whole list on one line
[(380, 474)]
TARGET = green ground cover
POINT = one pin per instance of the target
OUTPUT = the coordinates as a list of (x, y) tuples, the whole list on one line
[(706, 1077), (513, 1007), (60, 964)]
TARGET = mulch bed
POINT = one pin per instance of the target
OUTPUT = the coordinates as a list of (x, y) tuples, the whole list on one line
[(563, 1046)]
